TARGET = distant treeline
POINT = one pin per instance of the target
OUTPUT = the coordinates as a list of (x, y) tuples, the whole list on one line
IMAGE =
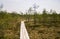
[(46, 16)]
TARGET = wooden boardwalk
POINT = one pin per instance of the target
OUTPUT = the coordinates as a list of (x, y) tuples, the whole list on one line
[(23, 31)]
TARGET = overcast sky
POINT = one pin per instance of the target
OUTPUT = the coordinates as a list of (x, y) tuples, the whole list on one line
[(23, 5)]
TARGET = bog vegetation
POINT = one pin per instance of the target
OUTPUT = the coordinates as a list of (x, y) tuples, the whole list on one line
[(9, 25), (39, 26)]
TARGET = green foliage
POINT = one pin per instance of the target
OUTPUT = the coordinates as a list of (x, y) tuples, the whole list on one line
[(8, 25), (38, 25), (47, 26)]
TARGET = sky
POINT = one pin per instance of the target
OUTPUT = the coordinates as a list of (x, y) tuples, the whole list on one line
[(24, 5)]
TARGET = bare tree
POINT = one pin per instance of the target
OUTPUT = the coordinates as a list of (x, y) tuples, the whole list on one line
[(1, 6), (35, 12), (29, 12)]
